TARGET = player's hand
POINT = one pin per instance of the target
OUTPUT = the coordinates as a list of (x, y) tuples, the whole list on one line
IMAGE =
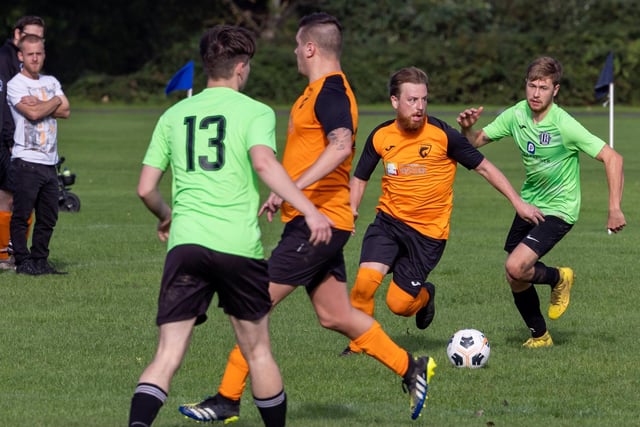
[(530, 213), (271, 206), (469, 117), (320, 226), (355, 218), (616, 221), (163, 229)]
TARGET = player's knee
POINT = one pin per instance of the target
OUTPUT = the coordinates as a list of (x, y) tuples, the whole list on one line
[(401, 306), (258, 355), (514, 271)]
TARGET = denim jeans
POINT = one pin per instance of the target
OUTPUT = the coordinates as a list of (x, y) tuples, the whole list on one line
[(35, 186)]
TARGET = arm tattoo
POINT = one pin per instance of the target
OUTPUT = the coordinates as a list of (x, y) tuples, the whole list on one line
[(340, 138)]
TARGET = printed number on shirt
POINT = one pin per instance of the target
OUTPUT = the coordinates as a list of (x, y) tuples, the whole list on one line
[(211, 161)]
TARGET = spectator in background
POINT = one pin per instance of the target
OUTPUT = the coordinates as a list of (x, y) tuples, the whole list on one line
[(36, 102), (9, 67)]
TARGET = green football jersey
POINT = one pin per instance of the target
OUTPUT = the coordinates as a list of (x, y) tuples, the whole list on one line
[(206, 140), (550, 155)]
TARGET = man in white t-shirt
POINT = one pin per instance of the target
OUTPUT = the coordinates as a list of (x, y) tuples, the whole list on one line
[(36, 102)]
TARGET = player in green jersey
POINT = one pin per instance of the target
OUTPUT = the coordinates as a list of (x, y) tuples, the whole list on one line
[(549, 141), (217, 143)]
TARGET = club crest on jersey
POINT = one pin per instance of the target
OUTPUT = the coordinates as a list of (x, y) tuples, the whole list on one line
[(545, 138), (424, 150), (531, 147)]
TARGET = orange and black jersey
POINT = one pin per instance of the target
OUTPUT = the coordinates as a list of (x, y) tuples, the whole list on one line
[(326, 104), (419, 170)]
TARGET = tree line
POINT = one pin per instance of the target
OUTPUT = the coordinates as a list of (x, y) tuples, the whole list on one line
[(474, 51)]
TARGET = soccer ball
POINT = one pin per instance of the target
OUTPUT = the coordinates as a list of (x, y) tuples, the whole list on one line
[(468, 348)]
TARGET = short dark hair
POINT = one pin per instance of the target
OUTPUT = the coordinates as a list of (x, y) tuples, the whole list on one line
[(223, 46), (28, 20), (406, 75), (544, 67), (324, 29)]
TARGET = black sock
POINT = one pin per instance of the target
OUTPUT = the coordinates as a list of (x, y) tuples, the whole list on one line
[(146, 402), (528, 305), (545, 275), (273, 410)]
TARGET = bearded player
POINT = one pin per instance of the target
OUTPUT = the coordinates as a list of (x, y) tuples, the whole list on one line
[(407, 238)]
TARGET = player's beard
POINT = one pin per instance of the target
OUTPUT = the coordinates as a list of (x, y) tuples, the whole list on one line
[(540, 106), (407, 124)]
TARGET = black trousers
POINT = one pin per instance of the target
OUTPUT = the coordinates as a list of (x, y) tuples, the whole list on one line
[(35, 187)]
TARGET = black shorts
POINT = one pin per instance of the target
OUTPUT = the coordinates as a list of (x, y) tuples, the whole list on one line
[(193, 273), (540, 238), (410, 255), (5, 163), (295, 261)]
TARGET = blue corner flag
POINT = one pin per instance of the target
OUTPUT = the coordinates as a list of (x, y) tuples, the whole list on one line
[(182, 80), (605, 79)]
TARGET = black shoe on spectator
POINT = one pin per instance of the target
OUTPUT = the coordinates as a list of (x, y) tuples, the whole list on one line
[(43, 266), (28, 266)]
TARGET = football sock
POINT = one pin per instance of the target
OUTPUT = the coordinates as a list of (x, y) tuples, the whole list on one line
[(403, 304), (145, 404), (5, 234), (377, 344), (362, 294), (528, 305), (545, 275), (235, 375), (273, 410)]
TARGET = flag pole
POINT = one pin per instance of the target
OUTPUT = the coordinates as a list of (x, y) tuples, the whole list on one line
[(611, 114), (609, 232)]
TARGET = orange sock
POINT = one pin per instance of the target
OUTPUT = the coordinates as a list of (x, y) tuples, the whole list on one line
[(362, 294), (29, 222), (235, 375), (377, 344), (403, 304), (5, 234)]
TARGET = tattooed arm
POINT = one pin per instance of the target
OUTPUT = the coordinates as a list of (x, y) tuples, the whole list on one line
[(336, 152)]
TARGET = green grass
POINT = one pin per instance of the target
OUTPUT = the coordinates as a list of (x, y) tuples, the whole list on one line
[(72, 347)]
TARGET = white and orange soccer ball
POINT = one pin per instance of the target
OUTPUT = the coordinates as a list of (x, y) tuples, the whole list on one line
[(468, 348)]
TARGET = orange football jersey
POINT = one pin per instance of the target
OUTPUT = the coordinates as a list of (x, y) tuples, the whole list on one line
[(419, 170), (326, 104)]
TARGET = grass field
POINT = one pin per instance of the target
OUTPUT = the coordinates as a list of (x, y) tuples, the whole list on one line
[(72, 347)]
